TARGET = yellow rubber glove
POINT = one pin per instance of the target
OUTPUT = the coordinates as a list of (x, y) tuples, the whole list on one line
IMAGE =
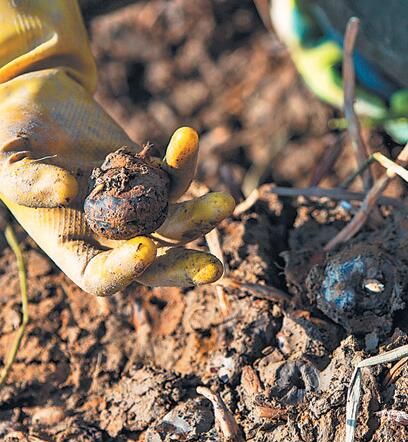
[(52, 134)]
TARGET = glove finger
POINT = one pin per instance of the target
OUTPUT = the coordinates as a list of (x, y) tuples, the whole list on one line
[(35, 184), (191, 219), (65, 237), (110, 271), (180, 160), (179, 267)]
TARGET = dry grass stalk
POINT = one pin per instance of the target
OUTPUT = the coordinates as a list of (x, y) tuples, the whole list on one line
[(368, 204), (354, 390), (22, 274), (224, 420), (248, 202), (334, 194), (328, 160), (400, 417), (391, 165), (394, 372), (213, 241), (259, 291), (353, 125)]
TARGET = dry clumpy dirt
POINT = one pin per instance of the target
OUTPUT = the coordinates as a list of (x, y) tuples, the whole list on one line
[(127, 370)]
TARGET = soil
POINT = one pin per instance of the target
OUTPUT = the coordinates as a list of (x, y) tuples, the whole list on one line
[(127, 368)]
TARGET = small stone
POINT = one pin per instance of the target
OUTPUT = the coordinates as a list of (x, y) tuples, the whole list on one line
[(371, 341), (48, 416)]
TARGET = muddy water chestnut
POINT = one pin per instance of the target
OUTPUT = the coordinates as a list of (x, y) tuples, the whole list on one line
[(128, 197)]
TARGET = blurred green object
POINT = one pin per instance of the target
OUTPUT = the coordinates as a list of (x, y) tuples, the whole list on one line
[(313, 30)]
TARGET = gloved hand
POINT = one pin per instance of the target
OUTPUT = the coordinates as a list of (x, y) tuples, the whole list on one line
[(316, 49), (52, 134)]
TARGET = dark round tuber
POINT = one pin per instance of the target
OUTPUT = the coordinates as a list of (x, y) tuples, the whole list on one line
[(129, 195)]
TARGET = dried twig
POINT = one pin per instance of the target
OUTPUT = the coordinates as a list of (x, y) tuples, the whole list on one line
[(369, 202), (259, 291), (213, 241), (348, 181), (400, 417), (248, 202), (334, 194), (354, 391), (353, 124), (326, 163), (224, 419), (391, 165), (254, 391), (13, 243), (394, 372), (264, 13)]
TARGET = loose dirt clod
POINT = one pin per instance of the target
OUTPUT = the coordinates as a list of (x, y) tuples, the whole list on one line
[(189, 420), (129, 195), (141, 398)]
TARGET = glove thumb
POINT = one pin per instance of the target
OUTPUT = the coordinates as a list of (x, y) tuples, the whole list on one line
[(31, 183)]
